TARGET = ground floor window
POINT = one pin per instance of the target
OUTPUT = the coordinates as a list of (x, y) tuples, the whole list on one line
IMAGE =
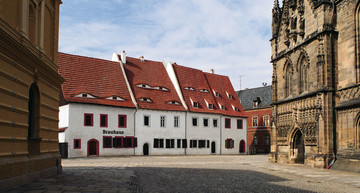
[(193, 143), (118, 142), (229, 143), (77, 143), (107, 142)]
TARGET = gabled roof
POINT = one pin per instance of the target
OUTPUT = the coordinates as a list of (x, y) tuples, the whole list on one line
[(153, 75), (99, 79), (248, 96), (193, 78), (227, 96)]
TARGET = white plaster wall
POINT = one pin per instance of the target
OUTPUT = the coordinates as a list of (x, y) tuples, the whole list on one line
[(64, 116), (146, 134), (203, 133), (77, 130), (236, 134)]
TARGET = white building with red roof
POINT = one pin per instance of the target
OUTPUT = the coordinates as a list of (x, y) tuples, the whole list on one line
[(160, 115), (96, 110), (134, 106)]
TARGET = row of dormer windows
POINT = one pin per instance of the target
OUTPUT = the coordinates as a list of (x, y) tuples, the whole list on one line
[(149, 87)]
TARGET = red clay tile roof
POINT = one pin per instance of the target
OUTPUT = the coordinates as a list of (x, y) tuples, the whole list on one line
[(223, 86), (190, 77), (153, 74), (96, 77)]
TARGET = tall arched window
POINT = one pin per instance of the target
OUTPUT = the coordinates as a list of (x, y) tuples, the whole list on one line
[(32, 22), (34, 120), (288, 79), (304, 77)]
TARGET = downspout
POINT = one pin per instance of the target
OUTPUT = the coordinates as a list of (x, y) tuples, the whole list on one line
[(136, 109), (220, 133), (186, 131)]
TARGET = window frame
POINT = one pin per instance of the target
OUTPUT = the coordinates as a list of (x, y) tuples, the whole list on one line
[(257, 121), (239, 126), (162, 121), (197, 121), (107, 137), (227, 126), (148, 120), (266, 121), (106, 120), (79, 142), (121, 141), (92, 119), (215, 121), (125, 120), (176, 121), (207, 122), (229, 143)]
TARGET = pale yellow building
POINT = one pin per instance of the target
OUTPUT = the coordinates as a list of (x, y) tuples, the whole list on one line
[(29, 90), (316, 82)]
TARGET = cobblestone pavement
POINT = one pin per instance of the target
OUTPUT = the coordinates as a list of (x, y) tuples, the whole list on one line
[(191, 174)]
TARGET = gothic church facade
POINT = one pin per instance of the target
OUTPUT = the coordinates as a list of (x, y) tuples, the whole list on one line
[(316, 81)]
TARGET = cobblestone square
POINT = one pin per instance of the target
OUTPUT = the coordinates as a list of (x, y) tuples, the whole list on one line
[(191, 174)]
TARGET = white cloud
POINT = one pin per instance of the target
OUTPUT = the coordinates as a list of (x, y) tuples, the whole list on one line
[(230, 37)]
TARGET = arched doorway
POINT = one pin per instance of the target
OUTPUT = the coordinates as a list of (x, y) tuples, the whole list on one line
[(34, 120), (213, 147), (242, 148), (93, 147), (146, 149), (298, 148)]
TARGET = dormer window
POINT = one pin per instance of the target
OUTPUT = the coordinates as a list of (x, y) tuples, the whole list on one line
[(173, 103), (145, 100), (203, 90), (235, 108), (115, 98), (256, 102), (196, 104), (189, 88), (229, 95), (211, 106), (161, 88), (84, 95), (217, 94), (143, 86), (222, 107)]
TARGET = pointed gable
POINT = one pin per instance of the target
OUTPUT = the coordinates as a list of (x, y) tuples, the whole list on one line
[(195, 90), (151, 85), (91, 80), (227, 98)]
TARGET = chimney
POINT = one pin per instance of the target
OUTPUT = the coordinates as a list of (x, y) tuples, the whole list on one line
[(123, 57), (211, 71), (142, 59)]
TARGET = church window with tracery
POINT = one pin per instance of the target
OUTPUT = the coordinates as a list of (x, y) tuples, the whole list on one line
[(288, 80), (304, 76)]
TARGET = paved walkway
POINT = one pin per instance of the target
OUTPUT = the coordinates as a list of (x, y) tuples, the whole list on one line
[(191, 174)]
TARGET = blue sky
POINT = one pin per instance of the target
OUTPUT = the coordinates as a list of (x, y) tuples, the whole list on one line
[(229, 36)]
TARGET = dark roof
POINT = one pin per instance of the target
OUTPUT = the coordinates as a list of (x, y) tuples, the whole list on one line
[(248, 96)]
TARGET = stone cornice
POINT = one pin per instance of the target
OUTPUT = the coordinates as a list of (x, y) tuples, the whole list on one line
[(314, 93)]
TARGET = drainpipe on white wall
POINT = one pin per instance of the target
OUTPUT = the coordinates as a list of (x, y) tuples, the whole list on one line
[(220, 133)]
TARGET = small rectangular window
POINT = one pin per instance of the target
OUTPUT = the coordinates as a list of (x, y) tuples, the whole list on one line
[(266, 120), (172, 143), (161, 145), (229, 143), (88, 119), (122, 121), (77, 143), (162, 121), (167, 143), (267, 140), (196, 105), (215, 122), (146, 120), (255, 121), (178, 143), (208, 144), (156, 143), (118, 142), (176, 121), (227, 123), (129, 142), (239, 123), (255, 139), (103, 120), (195, 121), (107, 142), (202, 143), (184, 143), (206, 122), (193, 143)]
